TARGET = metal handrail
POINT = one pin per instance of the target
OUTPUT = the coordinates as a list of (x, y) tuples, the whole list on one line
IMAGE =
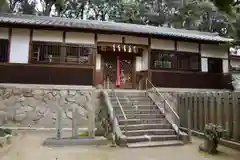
[(118, 102), (120, 105), (165, 102)]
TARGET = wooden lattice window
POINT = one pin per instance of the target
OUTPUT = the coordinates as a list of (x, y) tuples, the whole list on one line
[(175, 60), (45, 52), (4, 50), (78, 54)]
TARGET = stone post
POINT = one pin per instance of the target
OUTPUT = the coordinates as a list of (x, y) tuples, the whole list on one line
[(91, 124), (91, 116), (74, 122), (59, 123)]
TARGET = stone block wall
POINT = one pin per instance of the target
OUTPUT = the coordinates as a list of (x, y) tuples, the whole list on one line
[(36, 107)]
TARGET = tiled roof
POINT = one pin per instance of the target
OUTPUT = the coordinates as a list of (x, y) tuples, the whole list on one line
[(110, 26)]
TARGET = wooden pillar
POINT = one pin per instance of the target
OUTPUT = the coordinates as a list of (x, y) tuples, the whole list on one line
[(94, 57), (149, 59), (63, 49), (30, 46)]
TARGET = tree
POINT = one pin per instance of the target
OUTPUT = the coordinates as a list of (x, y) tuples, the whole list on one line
[(47, 6), (129, 12), (27, 7), (75, 9), (3, 5), (101, 9)]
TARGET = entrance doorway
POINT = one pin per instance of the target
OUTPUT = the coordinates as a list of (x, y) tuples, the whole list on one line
[(127, 54), (127, 70)]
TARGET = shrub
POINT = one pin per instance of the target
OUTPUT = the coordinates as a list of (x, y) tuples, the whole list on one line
[(7, 131)]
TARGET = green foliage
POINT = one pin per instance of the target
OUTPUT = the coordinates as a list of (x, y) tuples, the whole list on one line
[(212, 134), (84, 134), (4, 132), (224, 5), (7, 131), (220, 16)]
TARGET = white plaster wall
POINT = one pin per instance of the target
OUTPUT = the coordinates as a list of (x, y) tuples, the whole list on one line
[(145, 60), (162, 44), (215, 51), (225, 66), (47, 36), (19, 48), (4, 33), (187, 47), (109, 38), (138, 63), (204, 63), (98, 61), (80, 38), (136, 40)]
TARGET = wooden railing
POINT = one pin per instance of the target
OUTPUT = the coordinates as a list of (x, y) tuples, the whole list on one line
[(221, 108)]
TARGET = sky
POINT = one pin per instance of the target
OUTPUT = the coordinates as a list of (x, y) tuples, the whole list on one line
[(39, 5)]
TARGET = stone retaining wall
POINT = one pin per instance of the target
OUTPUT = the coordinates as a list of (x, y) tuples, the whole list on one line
[(31, 107)]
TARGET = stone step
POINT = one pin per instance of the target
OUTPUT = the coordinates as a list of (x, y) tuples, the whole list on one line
[(131, 93), (139, 111), (139, 101), (149, 132), (145, 126), (143, 121), (155, 144), (129, 97), (141, 116), (135, 107), (147, 138), (132, 102)]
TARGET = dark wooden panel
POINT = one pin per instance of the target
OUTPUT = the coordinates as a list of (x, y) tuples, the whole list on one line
[(38, 74), (190, 80), (99, 77)]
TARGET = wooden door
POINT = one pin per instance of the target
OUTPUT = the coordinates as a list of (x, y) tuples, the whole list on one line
[(126, 70)]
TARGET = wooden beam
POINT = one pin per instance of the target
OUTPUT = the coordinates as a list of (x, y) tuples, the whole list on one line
[(63, 48), (94, 54), (9, 43), (200, 59), (149, 59), (30, 46)]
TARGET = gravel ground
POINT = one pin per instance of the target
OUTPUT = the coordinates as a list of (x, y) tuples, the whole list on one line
[(30, 147)]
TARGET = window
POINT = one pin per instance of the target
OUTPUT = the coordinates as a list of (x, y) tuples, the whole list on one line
[(175, 61), (4, 44), (57, 53), (215, 65), (48, 53), (79, 55)]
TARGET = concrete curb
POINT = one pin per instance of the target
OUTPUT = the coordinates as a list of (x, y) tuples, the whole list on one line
[(76, 141), (41, 129)]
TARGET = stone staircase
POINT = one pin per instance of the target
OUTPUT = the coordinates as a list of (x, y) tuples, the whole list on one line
[(145, 125)]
